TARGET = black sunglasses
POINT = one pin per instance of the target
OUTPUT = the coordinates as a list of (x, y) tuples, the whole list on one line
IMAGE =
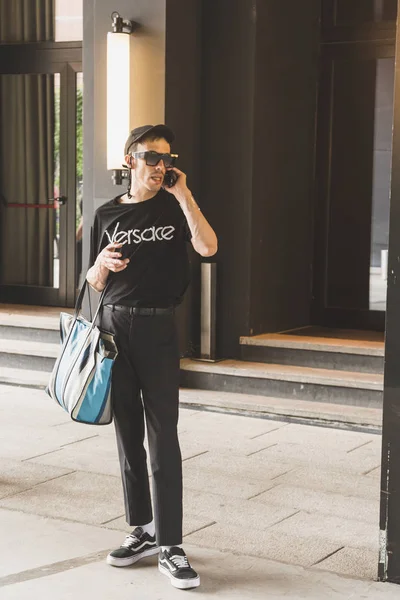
[(152, 158)]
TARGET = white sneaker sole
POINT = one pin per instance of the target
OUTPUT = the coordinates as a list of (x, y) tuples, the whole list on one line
[(181, 584), (125, 562)]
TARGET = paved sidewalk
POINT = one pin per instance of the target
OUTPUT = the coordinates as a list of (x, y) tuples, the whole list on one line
[(272, 509)]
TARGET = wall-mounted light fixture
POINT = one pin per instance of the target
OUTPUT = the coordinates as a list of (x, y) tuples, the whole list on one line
[(118, 93)]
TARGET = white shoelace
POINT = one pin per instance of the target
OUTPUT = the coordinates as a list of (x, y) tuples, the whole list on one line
[(129, 541), (179, 561)]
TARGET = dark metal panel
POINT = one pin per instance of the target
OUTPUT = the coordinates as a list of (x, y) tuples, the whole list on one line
[(364, 50), (373, 320), (63, 248), (183, 30), (357, 20), (227, 123), (71, 183), (36, 58), (325, 310), (377, 13), (389, 560), (15, 294), (349, 34), (286, 76)]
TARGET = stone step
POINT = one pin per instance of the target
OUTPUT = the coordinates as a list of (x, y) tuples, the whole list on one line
[(30, 323), (24, 377), (302, 411), (22, 354), (34, 334), (364, 356), (285, 381), (36, 321)]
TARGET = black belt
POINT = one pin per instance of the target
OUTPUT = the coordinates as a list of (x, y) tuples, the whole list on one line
[(141, 310)]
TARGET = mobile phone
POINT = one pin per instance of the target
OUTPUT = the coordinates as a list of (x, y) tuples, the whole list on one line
[(170, 179)]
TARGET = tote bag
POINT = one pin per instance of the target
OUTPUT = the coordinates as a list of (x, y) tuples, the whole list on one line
[(81, 378)]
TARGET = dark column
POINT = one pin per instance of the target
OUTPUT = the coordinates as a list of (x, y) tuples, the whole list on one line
[(226, 156), (260, 63), (182, 113), (389, 559), (286, 72)]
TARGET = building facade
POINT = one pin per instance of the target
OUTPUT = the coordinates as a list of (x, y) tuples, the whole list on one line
[(287, 122), (283, 113)]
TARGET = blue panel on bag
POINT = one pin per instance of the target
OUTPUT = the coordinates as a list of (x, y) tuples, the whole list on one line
[(96, 393), (78, 333)]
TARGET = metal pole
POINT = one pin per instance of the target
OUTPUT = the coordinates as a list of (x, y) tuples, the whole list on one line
[(389, 555), (208, 311)]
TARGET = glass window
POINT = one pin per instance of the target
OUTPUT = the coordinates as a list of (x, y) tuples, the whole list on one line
[(69, 20), (381, 182)]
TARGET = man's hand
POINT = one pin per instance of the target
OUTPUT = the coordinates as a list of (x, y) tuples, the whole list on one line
[(109, 258), (180, 190)]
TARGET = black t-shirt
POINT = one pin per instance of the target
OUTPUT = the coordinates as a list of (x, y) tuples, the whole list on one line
[(156, 233)]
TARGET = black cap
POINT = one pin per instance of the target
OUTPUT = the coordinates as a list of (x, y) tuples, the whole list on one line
[(137, 134)]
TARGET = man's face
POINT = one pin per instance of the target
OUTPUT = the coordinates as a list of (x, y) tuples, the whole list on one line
[(150, 178)]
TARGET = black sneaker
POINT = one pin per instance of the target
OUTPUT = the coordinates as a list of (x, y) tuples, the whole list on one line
[(137, 545), (175, 565)]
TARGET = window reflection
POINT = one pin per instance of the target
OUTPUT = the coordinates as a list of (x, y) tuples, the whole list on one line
[(381, 182), (69, 20), (79, 176)]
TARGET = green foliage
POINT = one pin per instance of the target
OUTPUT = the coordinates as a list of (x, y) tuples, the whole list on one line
[(79, 135), (79, 146), (57, 138)]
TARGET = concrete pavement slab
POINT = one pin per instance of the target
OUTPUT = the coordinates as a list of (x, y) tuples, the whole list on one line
[(343, 532), (30, 541), (352, 560), (234, 437), (225, 463), (331, 481), (28, 405), (84, 497), (280, 546), (192, 521), (360, 461), (94, 455), (221, 462), (322, 503), (223, 575), (196, 479), (337, 439), (15, 477), (227, 426), (374, 473), (232, 511), (46, 439)]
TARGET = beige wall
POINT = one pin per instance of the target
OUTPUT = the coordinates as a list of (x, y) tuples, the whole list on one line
[(147, 87)]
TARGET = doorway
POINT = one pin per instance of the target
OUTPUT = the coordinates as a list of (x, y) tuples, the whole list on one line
[(40, 177), (353, 163)]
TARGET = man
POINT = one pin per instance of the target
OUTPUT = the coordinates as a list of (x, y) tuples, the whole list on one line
[(142, 236)]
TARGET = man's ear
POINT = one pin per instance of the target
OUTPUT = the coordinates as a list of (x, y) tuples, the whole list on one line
[(130, 161)]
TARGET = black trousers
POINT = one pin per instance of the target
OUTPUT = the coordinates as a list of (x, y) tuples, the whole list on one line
[(146, 385)]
